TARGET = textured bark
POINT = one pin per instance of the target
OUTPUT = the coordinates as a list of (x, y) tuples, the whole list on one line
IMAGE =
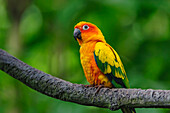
[(77, 93)]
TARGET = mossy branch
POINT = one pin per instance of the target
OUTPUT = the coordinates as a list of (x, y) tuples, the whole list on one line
[(106, 98)]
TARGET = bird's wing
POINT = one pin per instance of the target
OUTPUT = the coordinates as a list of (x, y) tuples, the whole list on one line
[(110, 64)]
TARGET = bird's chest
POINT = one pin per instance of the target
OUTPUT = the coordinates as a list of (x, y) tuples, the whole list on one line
[(87, 57), (89, 67), (88, 62)]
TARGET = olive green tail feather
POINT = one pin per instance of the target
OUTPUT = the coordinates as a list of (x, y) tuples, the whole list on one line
[(128, 110)]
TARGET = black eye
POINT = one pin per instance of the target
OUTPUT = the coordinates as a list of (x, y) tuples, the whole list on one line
[(85, 27)]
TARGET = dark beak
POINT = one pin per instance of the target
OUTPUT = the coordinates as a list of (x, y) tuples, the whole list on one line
[(77, 34)]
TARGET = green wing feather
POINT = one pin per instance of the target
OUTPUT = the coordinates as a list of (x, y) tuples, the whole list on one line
[(110, 64)]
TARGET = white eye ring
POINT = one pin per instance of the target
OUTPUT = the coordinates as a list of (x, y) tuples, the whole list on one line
[(85, 27)]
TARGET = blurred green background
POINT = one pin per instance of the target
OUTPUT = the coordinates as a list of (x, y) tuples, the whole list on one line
[(40, 33)]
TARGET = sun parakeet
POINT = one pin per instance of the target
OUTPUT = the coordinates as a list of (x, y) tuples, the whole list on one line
[(100, 62)]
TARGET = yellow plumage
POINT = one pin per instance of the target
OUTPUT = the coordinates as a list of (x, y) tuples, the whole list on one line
[(107, 54)]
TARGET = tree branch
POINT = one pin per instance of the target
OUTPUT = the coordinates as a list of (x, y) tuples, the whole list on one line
[(106, 98)]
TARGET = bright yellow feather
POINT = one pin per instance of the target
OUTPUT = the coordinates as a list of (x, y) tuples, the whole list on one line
[(109, 55)]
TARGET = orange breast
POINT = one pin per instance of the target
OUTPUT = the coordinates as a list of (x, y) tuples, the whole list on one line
[(93, 74)]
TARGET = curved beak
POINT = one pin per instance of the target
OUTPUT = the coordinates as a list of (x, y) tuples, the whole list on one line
[(77, 34)]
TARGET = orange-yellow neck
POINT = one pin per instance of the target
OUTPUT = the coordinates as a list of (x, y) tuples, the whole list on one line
[(87, 47), (91, 39)]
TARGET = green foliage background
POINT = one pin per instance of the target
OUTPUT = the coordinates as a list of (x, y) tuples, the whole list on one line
[(40, 33)]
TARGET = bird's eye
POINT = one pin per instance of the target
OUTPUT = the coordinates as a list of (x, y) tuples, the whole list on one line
[(85, 27)]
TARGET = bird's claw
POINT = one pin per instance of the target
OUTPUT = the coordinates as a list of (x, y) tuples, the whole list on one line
[(87, 86), (98, 88)]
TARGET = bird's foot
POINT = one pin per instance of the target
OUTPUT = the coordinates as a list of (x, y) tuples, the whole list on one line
[(87, 86), (98, 88)]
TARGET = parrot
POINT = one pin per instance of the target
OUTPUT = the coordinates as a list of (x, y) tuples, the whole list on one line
[(101, 64)]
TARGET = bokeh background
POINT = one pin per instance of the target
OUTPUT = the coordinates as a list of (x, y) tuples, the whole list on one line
[(40, 33)]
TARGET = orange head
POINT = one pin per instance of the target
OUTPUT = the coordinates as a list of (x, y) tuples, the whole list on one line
[(85, 32)]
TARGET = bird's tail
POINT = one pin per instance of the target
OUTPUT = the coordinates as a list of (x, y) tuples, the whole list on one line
[(128, 110)]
